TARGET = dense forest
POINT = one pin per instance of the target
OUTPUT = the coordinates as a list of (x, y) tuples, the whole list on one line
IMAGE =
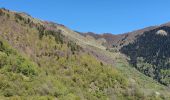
[(150, 54)]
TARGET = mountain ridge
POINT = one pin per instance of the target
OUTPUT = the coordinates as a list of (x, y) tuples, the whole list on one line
[(44, 60)]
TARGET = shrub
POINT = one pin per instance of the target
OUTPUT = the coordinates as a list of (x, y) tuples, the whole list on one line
[(2, 12), (41, 30), (3, 59), (73, 46), (18, 16), (20, 65), (57, 34), (8, 93), (11, 61)]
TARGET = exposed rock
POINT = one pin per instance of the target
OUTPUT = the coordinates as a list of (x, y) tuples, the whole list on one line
[(162, 32)]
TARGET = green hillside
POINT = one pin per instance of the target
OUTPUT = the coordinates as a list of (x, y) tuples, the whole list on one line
[(45, 61)]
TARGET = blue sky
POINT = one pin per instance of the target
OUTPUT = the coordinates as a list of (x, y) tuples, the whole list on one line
[(100, 16)]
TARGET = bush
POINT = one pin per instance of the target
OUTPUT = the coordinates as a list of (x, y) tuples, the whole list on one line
[(73, 46), (20, 65), (18, 16), (11, 61), (2, 12), (57, 34), (3, 59), (8, 93)]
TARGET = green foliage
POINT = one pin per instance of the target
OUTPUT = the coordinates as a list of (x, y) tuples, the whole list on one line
[(145, 67), (18, 16), (87, 74), (41, 30), (73, 46), (154, 50), (57, 35), (3, 59), (11, 61), (165, 74), (63, 78), (64, 71)]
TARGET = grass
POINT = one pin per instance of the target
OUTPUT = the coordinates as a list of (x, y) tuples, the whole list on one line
[(37, 68)]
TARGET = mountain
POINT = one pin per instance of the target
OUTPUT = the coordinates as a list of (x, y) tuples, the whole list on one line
[(119, 39), (147, 49), (41, 60), (149, 53)]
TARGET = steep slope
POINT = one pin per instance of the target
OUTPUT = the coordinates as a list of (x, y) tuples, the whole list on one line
[(44, 60), (118, 40), (150, 53), (65, 72), (147, 49), (76, 37)]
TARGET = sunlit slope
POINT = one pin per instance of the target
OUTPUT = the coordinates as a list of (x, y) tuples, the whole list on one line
[(46, 61)]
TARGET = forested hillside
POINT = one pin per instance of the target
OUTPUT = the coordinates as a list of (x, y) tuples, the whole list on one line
[(150, 54), (40, 60)]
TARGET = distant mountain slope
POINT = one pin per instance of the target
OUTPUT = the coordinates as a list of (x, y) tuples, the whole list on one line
[(120, 39), (150, 53), (147, 49), (41, 60)]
